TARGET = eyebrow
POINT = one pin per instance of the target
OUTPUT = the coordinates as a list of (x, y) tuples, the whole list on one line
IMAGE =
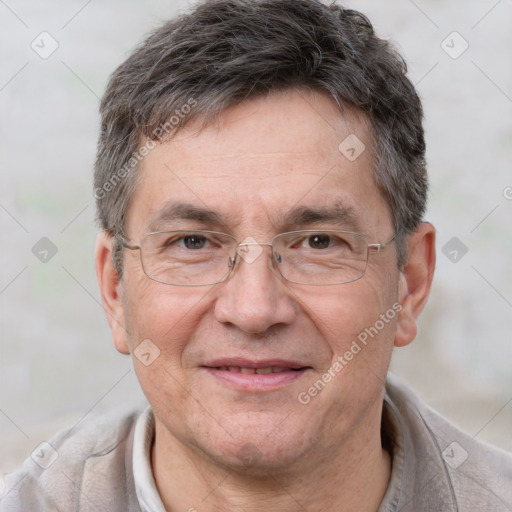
[(299, 217), (173, 211), (339, 214)]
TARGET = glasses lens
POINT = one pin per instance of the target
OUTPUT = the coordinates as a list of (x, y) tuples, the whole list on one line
[(197, 258), (187, 258), (321, 257)]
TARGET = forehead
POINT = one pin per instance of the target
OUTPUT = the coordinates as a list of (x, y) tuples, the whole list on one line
[(264, 160)]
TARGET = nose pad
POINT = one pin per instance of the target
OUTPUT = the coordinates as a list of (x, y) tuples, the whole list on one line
[(250, 250)]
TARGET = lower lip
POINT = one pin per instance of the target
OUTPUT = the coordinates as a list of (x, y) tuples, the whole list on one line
[(257, 381)]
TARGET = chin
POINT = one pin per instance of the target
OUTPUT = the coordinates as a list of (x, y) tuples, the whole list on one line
[(259, 448), (259, 461)]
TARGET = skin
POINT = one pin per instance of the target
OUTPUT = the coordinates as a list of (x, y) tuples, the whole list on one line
[(254, 164)]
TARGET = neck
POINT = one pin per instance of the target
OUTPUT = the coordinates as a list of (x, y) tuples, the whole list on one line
[(351, 475)]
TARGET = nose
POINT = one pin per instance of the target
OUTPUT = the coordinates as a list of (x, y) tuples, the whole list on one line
[(255, 297)]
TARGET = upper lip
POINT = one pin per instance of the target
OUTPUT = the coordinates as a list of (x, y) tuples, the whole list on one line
[(248, 363)]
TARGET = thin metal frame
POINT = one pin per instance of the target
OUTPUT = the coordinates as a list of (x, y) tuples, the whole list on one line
[(232, 261)]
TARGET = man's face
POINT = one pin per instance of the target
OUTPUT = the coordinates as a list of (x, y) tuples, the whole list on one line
[(254, 168)]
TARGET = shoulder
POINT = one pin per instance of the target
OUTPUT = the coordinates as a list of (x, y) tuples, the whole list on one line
[(475, 475), (77, 469)]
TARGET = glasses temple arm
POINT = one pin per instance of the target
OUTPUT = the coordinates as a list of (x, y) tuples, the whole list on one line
[(380, 247)]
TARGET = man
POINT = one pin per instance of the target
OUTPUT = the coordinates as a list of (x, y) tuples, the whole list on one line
[(261, 184)]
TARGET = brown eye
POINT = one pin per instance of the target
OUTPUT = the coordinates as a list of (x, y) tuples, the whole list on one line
[(194, 241), (319, 241)]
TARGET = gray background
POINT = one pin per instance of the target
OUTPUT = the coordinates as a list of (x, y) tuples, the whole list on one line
[(57, 361)]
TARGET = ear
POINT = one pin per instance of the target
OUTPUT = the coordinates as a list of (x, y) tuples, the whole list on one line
[(111, 291), (415, 281)]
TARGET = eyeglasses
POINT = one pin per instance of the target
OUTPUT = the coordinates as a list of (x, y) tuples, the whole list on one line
[(201, 258)]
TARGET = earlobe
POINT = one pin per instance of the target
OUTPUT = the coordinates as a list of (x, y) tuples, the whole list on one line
[(415, 281), (110, 288)]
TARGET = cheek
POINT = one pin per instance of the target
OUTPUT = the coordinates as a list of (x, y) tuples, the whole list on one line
[(164, 315), (358, 323), (360, 344), (344, 315), (161, 320)]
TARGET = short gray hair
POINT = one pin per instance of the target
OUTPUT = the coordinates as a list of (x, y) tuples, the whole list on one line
[(226, 51)]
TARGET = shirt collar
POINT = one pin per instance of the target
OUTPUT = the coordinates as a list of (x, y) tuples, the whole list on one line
[(145, 486), (419, 479)]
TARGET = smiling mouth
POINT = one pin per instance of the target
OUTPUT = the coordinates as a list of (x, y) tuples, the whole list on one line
[(265, 375), (260, 371)]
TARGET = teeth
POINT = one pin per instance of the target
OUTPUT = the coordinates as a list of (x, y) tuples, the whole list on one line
[(260, 371)]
